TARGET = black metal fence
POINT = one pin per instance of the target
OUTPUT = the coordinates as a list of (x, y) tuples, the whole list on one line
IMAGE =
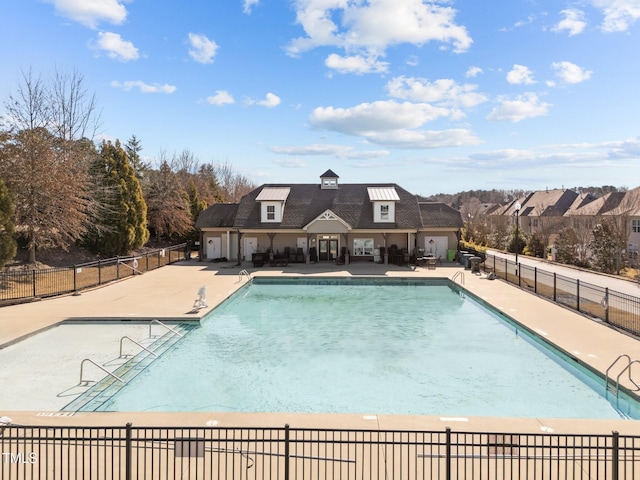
[(618, 309), (58, 281), (30, 452)]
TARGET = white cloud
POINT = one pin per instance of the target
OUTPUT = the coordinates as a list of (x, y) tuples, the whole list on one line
[(355, 64), (520, 74), (222, 97), (391, 124), (522, 107), (115, 47), (271, 100), (143, 87), (91, 12), (377, 116), (473, 72), (248, 5), (573, 22), (291, 163), (619, 15), (425, 139), (570, 72), (336, 151), (202, 49), (444, 92), (373, 26)]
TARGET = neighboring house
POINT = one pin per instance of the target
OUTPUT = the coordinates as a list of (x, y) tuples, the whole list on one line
[(622, 208), (327, 221), (542, 211)]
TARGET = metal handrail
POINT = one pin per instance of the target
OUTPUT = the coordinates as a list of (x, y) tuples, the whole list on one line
[(132, 340), (155, 320), (243, 273), (100, 367), (628, 367), (458, 274)]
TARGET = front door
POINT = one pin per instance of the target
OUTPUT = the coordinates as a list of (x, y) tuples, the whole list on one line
[(327, 249), (213, 247), (250, 247)]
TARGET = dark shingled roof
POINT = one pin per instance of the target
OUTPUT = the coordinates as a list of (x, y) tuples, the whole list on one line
[(218, 215), (350, 202), (440, 215), (329, 174)]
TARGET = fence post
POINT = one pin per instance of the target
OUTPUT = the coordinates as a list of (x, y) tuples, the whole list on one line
[(99, 271), (554, 287), (535, 280), (577, 294), (118, 267), (75, 280), (606, 300), (127, 453), (615, 455), (33, 275), (518, 273), (286, 451), (506, 270), (447, 464)]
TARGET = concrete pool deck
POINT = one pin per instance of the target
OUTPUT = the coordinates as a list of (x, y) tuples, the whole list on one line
[(169, 293)]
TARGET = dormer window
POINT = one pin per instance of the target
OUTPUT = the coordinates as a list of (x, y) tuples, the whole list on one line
[(384, 203), (329, 180), (384, 212), (272, 201)]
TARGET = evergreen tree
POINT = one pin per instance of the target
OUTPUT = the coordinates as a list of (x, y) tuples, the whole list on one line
[(133, 147), (605, 251), (567, 246), (7, 226), (122, 225)]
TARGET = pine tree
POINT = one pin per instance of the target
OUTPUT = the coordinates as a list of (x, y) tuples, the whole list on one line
[(7, 225), (122, 225)]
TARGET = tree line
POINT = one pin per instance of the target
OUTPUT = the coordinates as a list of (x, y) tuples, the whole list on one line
[(58, 187)]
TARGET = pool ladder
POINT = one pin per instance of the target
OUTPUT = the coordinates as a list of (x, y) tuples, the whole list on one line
[(609, 384), (243, 273), (155, 320), (458, 275)]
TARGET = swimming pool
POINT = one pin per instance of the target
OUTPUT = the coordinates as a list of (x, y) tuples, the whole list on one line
[(359, 346)]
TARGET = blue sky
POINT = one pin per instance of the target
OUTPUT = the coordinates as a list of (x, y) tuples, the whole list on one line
[(438, 96)]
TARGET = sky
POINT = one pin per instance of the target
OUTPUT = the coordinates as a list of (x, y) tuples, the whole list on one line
[(437, 96)]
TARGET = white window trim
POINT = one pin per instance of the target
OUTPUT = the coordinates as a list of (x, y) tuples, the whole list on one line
[(364, 248)]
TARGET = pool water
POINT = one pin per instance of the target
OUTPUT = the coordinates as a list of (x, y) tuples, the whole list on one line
[(359, 347)]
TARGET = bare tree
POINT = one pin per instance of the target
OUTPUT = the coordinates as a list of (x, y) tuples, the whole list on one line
[(233, 185), (45, 159), (73, 110)]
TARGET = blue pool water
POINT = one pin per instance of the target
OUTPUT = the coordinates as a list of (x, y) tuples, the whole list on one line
[(400, 347)]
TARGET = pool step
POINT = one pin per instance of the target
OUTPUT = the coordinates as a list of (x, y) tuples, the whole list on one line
[(106, 388)]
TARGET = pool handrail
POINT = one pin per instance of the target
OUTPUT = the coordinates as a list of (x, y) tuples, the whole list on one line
[(155, 320), (608, 386), (138, 344), (458, 275), (100, 367)]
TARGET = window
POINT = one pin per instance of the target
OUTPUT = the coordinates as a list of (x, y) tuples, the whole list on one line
[(384, 212), (362, 246), (271, 212), (535, 223), (635, 226)]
